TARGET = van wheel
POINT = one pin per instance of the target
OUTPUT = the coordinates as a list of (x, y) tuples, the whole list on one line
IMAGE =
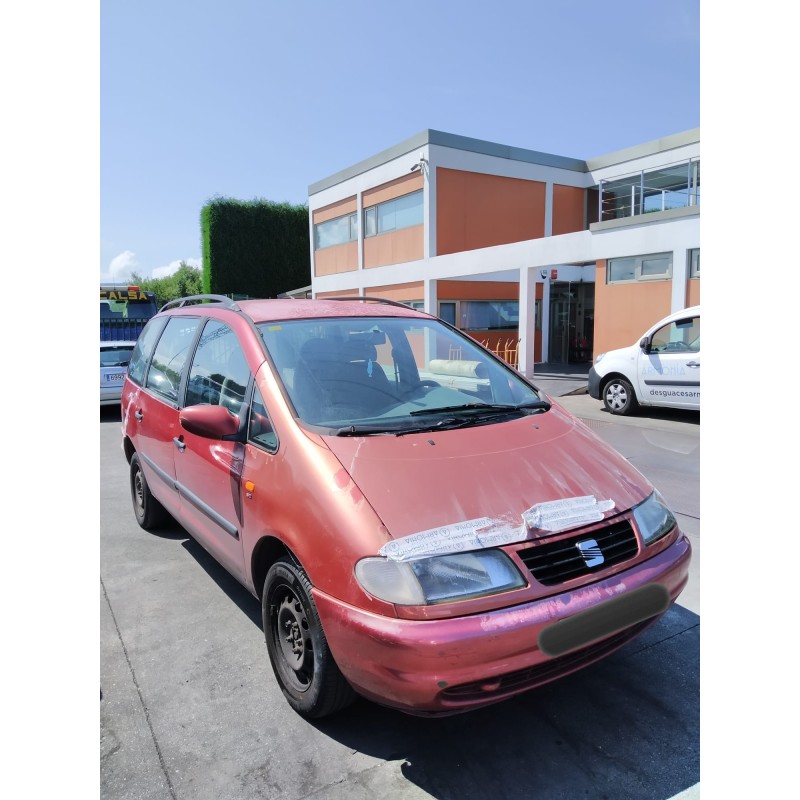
[(619, 397), (296, 644), (149, 512)]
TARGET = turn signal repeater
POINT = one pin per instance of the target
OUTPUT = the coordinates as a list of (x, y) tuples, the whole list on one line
[(249, 488)]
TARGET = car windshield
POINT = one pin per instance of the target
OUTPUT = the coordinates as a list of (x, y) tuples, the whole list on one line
[(115, 356), (367, 375)]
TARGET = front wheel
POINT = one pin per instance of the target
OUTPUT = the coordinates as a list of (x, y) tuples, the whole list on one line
[(296, 644), (619, 397)]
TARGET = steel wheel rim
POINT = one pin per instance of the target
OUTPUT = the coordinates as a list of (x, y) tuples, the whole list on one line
[(138, 491), (292, 635)]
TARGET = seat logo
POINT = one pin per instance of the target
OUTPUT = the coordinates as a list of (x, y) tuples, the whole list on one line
[(591, 552)]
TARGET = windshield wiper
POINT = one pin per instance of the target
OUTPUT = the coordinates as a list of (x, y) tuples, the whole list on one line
[(449, 423), (467, 420), (362, 430), (471, 414), (481, 407), (446, 424)]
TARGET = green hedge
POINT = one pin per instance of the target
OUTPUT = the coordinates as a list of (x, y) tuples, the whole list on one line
[(256, 247)]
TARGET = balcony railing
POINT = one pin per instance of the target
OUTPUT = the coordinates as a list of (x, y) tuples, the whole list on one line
[(671, 186)]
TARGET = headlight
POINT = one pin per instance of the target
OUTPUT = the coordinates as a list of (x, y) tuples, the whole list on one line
[(598, 358), (439, 579), (654, 518)]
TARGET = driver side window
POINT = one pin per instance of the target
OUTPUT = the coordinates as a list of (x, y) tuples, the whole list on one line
[(219, 374), (682, 336)]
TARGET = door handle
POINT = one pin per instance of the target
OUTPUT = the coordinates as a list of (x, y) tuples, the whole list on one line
[(693, 364), (179, 443), (139, 416)]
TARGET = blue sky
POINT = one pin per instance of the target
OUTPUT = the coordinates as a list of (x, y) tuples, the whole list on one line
[(259, 99)]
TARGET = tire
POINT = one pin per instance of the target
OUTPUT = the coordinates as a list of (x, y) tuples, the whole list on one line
[(619, 397), (149, 512), (296, 644)]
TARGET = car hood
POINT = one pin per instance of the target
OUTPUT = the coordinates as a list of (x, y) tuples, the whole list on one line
[(417, 482)]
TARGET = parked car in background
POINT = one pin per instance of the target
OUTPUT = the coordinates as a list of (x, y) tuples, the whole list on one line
[(114, 358), (661, 369), (432, 533)]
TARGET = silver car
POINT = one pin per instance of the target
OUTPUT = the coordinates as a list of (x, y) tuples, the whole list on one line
[(114, 358)]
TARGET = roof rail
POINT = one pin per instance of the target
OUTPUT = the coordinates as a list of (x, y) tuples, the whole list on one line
[(370, 299), (198, 299)]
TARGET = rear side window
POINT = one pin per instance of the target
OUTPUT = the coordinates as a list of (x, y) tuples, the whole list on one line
[(144, 347), (172, 350)]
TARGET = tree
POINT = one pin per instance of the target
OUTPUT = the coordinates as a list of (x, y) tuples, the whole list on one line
[(185, 281)]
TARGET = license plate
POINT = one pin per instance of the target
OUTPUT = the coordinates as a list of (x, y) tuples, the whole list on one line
[(115, 378), (604, 619)]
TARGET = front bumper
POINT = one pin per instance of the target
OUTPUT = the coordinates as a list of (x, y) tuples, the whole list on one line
[(451, 665), (594, 384)]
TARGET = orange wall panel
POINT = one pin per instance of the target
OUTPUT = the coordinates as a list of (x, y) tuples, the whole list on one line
[(401, 292), (338, 293), (396, 247), (568, 209), (474, 210), (478, 290), (338, 209), (392, 189), (623, 312), (449, 291), (339, 258), (693, 292)]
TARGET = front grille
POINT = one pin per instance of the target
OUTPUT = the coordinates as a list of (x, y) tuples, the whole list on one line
[(557, 562)]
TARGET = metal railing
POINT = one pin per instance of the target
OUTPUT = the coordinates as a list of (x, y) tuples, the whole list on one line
[(671, 186)]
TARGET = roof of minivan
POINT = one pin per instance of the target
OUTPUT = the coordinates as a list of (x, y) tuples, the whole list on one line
[(268, 310)]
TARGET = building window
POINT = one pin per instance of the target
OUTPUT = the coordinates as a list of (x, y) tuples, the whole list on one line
[(394, 215), (336, 231), (481, 315), (447, 312), (694, 263), (654, 267)]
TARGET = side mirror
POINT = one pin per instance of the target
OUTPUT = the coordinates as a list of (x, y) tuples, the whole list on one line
[(644, 343), (212, 422)]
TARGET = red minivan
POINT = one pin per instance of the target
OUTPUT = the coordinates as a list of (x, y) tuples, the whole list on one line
[(424, 527)]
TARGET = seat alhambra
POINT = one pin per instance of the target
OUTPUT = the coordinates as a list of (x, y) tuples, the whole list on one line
[(422, 525)]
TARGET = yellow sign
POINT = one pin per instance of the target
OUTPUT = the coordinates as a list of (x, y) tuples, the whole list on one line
[(121, 295)]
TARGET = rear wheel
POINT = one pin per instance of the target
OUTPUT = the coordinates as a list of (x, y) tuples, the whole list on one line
[(619, 397), (296, 644), (149, 512)]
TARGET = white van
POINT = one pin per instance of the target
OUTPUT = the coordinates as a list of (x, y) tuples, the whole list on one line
[(662, 369)]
